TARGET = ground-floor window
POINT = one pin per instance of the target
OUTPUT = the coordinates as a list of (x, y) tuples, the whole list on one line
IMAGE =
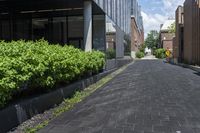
[(62, 30)]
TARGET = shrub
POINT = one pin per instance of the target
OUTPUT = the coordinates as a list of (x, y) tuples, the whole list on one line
[(110, 53), (31, 65), (139, 54), (160, 53), (142, 48)]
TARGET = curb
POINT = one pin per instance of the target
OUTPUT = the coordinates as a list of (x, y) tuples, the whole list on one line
[(195, 68), (14, 115)]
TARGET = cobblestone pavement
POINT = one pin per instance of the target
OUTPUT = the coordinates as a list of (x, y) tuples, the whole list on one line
[(148, 97)]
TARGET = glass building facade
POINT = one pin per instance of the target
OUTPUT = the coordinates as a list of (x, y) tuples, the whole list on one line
[(118, 11), (58, 21), (136, 12), (63, 21)]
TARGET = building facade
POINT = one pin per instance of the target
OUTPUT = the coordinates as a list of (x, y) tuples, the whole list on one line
[(188, 32), (191, 32), (137, 29), (81, 23), (166, 38), (136, 12), (117, 14), (137, 37), (178, 49), (118, 11)]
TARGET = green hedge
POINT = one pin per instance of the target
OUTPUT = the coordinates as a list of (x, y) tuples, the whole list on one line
[(41, 65), (110, 53), (139, 54), (160, 53)]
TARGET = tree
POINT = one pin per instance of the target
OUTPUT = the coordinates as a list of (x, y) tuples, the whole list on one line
[(172, 28), (152, 39)]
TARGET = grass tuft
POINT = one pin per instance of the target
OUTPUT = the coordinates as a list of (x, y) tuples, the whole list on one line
[(77, 98)]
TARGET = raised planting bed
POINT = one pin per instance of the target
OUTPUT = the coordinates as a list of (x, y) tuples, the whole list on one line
[(21, 111), (40, 65), (28, 69)]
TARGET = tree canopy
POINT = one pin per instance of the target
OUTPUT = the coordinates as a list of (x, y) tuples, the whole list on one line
[(172, 28), (152, 39)]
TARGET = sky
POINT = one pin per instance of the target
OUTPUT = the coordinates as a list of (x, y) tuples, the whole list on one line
[(156, 12)]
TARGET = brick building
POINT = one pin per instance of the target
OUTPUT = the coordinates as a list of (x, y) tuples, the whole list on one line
[(191, 32), (137, 29), (110, 36), (137, 37), (188, 32), (178, 48), (166, 38)]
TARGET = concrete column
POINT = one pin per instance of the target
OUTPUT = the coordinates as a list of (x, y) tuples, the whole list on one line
[(88, 25)]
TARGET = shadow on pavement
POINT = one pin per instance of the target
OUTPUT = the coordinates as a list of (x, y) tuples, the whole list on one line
[(197, 73)]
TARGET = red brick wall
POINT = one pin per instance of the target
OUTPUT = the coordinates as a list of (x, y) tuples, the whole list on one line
[(167, 40), (177, 46), (168, 44), (137, 37), (111, 40)]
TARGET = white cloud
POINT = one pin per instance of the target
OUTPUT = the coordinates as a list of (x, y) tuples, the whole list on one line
[(153, 21), (170, 6)]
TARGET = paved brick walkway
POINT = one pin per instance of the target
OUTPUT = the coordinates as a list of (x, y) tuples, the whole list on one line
[(148, 97)]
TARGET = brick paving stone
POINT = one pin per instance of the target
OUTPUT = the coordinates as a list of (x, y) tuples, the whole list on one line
[(150, 96)]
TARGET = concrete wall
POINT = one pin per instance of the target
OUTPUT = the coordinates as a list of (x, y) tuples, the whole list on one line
[(87, 14), (119, 43)]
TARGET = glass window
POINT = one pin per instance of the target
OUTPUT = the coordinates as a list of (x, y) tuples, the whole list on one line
[(59, 30), (40, 28), (5, 30), (22, 29), (75, 31)]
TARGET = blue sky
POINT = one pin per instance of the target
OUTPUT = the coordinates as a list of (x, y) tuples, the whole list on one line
[(156, 12)]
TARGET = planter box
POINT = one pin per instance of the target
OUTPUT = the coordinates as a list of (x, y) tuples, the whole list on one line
[(111, 64), (116, 63), (16, 114)]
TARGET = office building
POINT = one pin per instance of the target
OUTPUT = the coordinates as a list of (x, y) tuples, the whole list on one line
[(81, 23)]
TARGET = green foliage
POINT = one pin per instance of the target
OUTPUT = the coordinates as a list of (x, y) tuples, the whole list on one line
[(152, 39), (154, 50), (37, 128), (142, 48), (139, 54), (40, 65), (172, 28), (111, 54), (160, 53)]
